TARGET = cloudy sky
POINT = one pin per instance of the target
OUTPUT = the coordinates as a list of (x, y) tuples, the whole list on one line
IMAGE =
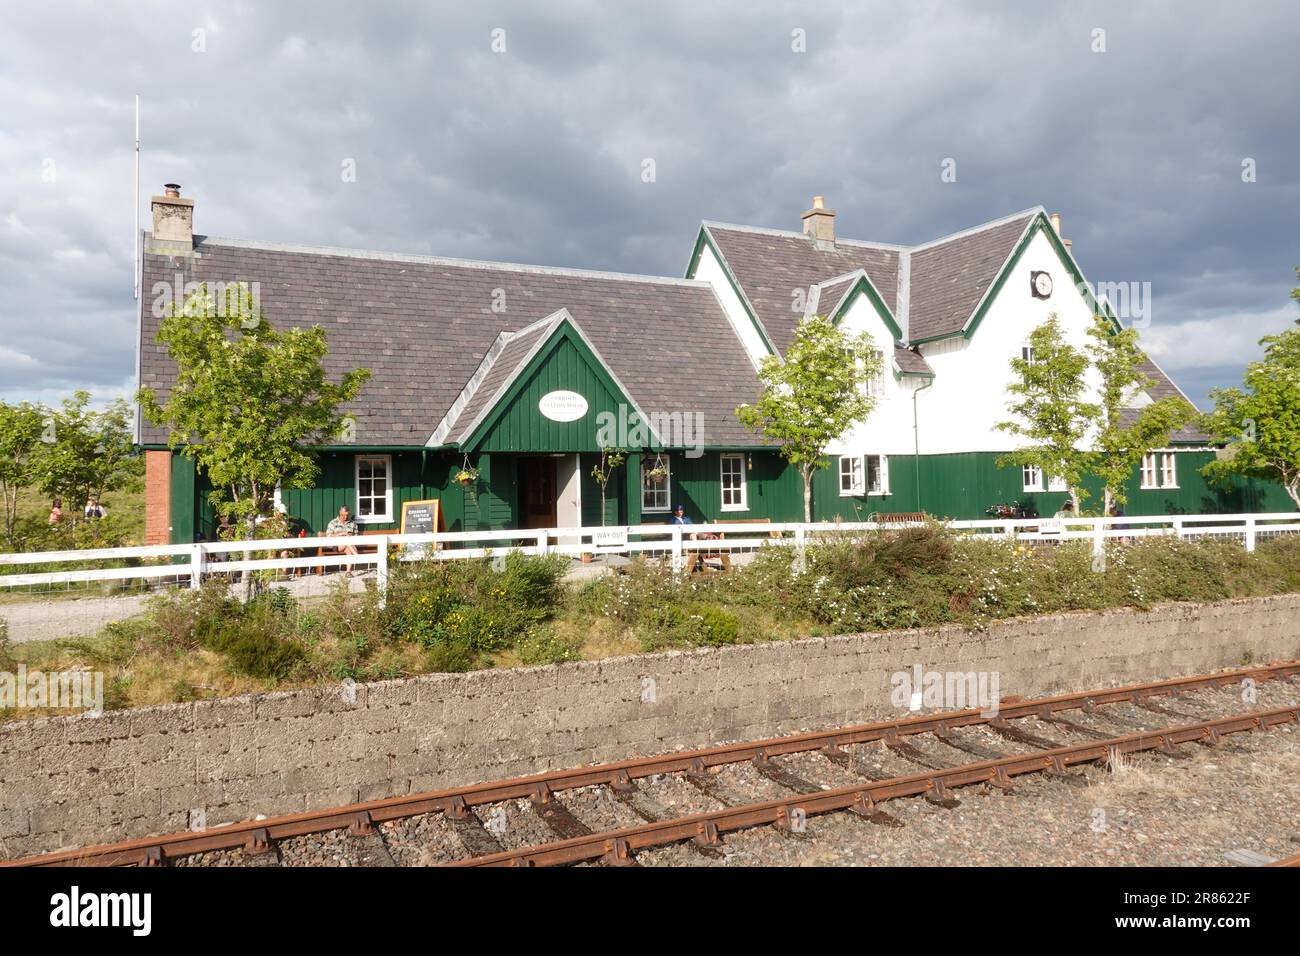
[(535, 153)]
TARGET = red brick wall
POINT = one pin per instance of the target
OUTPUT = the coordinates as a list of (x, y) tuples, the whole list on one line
[(157, 497)]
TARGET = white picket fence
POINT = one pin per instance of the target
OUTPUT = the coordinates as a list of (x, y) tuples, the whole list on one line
[(189, 564)]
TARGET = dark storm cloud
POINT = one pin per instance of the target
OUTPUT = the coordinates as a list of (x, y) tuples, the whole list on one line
[(535, 154)]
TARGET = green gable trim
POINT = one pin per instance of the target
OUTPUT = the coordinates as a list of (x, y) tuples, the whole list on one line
[(864, 286), (1039, 223), (564, 360), (706, 238)]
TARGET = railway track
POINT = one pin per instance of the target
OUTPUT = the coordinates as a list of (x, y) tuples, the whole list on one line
[(685, 802)]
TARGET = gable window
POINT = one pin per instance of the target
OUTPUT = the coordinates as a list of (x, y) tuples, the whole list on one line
[(877, 474), (733, 483), (374, 488), (850, 475), (1149, 471), (876, 384), (656, 482), (1031, 478), (1168, 470)]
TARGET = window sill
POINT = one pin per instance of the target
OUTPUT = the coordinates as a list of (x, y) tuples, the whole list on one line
[(734, 508), (373, 519)]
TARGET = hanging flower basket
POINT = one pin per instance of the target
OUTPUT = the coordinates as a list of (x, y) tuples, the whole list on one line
[(467, 476), (657, 473)]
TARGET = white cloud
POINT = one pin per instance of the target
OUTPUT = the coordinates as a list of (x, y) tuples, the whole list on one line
[(1231, 339)]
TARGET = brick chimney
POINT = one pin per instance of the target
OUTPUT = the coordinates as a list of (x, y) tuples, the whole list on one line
[(173, 220), (819, 223)]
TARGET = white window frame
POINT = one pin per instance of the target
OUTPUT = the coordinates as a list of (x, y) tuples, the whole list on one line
[(1150, 475), (856, 475), (882, 471), (743, 489), (646, 464), (1027, 353), (876, 384), (1168, 470), (1031, 478), (387, 516)]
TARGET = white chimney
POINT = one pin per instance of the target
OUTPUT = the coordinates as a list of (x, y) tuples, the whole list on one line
[(1055, 219)]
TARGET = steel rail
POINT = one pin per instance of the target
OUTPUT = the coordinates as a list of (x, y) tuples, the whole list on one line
[(617, 846), (257, 835)]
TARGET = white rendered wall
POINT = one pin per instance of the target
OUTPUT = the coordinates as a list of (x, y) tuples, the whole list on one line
[(710, 270), (959, 412)]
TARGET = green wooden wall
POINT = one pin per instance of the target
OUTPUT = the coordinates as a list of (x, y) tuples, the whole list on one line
[(963, 486), (952, 486), (566, 364)]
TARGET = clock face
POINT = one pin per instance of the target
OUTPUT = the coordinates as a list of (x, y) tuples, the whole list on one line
[(1042, 284)]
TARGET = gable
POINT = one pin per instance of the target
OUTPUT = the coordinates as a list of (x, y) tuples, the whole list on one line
[(563, 365)]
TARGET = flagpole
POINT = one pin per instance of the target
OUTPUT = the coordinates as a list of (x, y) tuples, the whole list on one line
[(135, 237)]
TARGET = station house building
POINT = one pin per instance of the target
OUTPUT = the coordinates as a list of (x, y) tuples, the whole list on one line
[(521, 374)]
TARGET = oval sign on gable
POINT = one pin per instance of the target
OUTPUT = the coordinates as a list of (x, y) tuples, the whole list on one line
[(562, 406)]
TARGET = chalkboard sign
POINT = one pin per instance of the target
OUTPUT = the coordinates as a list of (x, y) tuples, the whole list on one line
[(419, 517)]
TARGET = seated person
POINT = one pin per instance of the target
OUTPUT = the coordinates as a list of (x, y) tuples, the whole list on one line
[(343, 526)]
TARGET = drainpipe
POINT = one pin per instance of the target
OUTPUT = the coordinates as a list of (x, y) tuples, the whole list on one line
[(916, 439)]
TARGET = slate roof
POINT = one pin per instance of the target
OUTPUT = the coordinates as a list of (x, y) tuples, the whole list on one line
[(770, 266), (424, 326), (950, 276), (946, 280), (910, 361)]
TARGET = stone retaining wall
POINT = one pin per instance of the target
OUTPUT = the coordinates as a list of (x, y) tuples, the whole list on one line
[(71, 781)]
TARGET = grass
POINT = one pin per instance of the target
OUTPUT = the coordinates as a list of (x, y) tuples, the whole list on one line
[(459, 616)]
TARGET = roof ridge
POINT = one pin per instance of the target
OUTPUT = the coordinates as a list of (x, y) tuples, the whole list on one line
[(972, 230), (790, 234), (484, 264), (891, 246)]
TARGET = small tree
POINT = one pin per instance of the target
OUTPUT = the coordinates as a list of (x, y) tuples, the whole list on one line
[(813, 396), (1048, 400), (1125, 435), (84, 453), (20, 437), (1261, 423), (248, 402), (610, 460)]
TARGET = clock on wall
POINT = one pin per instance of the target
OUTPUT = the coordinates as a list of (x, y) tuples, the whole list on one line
[(1040, 284)]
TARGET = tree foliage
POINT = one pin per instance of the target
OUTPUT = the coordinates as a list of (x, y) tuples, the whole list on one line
[(85, 453), (812, 395), (1051, 408), (1124, 433), (20, 439), (249, 401), (1260, 423)]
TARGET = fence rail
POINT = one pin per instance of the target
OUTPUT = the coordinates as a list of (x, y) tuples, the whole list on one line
[(188, 564)]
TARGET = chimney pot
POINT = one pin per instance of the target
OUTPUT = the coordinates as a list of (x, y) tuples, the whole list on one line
[(819, 223), (172, 190), (1055, 219)]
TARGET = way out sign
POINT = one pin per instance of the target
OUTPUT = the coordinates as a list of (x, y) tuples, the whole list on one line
[(609, 540)]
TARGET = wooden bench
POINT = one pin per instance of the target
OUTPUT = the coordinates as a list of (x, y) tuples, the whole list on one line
[(723, 556), (899, 517), (326, 551)]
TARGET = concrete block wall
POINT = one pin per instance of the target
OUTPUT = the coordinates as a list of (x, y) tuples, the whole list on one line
[(78, 781)]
